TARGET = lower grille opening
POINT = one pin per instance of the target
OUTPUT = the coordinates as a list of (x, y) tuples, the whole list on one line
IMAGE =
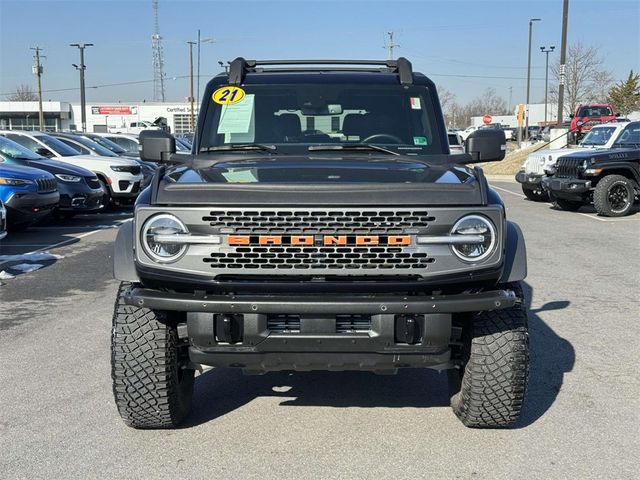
[(343, 324), (353, 323), (283, 323)]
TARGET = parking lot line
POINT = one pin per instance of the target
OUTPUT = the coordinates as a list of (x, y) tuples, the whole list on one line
[(508, 191)]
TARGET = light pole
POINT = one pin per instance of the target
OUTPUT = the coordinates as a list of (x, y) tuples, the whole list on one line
[(192, 121), (81, 68), (526, 124), (200, 42), (546, 51)]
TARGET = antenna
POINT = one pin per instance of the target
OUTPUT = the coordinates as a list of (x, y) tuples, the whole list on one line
[(158, 59), (390, 45)]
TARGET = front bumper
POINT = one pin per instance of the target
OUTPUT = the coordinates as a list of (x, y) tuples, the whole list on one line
[(29, 207), (530, 180), (80, 200), (569, 188), (316, 341)]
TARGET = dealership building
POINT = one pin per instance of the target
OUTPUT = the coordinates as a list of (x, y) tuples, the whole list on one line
[(101, 116)]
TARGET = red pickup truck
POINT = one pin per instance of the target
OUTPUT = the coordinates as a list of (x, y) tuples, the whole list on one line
[(586, 116)]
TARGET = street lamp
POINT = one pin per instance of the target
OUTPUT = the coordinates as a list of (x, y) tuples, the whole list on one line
[(81, 68), (200, 41), (526, 125), (546, 51)]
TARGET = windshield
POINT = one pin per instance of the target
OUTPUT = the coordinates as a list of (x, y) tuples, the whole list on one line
[(598, 136), (15, 150), (295, 116), (93, 146), (630, 137), (106, 143), (57, 146), (595, 112)]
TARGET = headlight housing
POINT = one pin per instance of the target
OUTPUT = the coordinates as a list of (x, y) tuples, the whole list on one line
[(476, 226), (15, 182), (163, 224), (68, 178)]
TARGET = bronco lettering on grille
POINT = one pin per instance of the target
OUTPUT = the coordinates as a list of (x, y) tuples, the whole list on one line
[(324, 240)]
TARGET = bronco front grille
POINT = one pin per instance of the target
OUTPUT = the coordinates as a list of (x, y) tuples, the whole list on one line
[(568, 167), (319, 257), (347, 222), (46, 185)]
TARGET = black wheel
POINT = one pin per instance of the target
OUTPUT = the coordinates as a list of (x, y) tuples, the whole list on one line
[(489, 390), (613, 196), (152, 385), (106, 197), (568, 205), (537, 195)]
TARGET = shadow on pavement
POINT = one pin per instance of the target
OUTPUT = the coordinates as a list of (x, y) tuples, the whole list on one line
[(220, 391)]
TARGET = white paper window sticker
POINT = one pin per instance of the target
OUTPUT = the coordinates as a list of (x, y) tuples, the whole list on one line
[(415, 103), (237, 118)]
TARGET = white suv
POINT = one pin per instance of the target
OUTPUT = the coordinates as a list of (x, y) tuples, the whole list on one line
[(120, 178), (542, 162)]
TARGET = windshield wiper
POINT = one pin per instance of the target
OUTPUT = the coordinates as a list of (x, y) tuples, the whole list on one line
[(356, 147), (240, 147)]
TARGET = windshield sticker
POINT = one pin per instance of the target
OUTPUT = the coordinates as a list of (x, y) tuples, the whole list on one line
[(237, 117), (228, 95), (420, 140), (415, 103)]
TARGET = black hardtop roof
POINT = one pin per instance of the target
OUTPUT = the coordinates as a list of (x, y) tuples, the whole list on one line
[(387, 71)]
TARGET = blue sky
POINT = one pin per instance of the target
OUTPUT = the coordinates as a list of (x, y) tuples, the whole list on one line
[(453, 41)]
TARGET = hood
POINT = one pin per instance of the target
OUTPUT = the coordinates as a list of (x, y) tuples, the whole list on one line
[(563, 151), (105, 160), (320, 180), (19, 171), (55, 166), (606, 155)]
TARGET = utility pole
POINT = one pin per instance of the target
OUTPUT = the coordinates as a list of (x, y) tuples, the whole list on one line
[(546, 78), (192, 121), (200, 41), (563, 59), (510, 97), (390, 45), (526, 124), (81, 68), (37, 70)]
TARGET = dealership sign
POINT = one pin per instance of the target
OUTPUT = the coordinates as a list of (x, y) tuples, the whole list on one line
[(114, 110)]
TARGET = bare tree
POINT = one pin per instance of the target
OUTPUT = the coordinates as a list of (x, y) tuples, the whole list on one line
[(447, 98), (23, 93), (586, 79)]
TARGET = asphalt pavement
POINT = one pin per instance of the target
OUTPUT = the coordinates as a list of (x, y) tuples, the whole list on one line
[(581, 417)]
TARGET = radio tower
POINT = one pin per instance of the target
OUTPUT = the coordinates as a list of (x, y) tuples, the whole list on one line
[(158, 60)]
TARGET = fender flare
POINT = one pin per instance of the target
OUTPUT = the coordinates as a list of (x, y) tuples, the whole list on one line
[(515, 263), (124, 267)]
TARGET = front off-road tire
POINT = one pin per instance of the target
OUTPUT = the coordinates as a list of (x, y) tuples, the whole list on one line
[(151, 387), (493, 378), (535, 195), (613, 196)]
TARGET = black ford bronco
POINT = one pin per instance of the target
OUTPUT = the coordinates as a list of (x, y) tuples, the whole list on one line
[(608, 178), (320, 223)]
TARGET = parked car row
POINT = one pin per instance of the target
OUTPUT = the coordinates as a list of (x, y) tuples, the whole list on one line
[(604, 171), (63, 174)]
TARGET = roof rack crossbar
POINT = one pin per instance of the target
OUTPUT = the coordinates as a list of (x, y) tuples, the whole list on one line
[(239, 66)]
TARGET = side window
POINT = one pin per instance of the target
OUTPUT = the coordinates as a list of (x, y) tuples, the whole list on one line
[(27, 142), (75, 146)]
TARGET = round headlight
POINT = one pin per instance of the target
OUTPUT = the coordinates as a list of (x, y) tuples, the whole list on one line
[(164, 224), (482, 235)]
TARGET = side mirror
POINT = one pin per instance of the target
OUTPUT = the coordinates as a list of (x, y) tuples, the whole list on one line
[(44, 152), (486, 145), (156, 145), (618, 115), (571, 115)]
